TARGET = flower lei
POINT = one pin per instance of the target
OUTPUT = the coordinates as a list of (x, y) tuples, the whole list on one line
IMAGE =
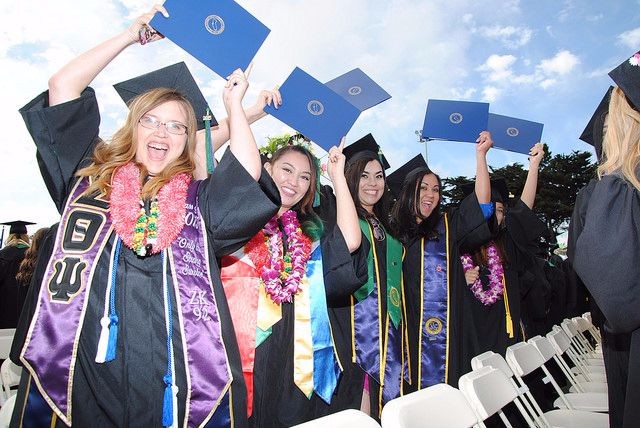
[(147, 234), (496, 274), (280, 273)]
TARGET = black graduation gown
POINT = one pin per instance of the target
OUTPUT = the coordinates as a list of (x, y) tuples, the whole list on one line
[(522, 228), (606, 250), (12, 294), (129, 390), (467, 228)]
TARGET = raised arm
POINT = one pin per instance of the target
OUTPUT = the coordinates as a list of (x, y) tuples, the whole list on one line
[(69, 82), (531, 184), (483, 184), (346, 214), (241, 139), (221, 134)]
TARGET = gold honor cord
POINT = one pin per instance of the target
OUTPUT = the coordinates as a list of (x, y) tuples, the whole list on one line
[(509, 321)]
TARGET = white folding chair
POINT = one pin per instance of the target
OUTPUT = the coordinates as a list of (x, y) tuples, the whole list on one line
[(10, 374), (583, 371), (6, 338), (552, 418), (349, 418), (592, 328), (590, 359), (582, 327), (438, 406), (523, 358), (547, 349), (6, 410), (488, 390)]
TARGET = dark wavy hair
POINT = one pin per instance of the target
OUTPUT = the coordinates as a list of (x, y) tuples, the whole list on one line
[(353, 174), (28, 263), (310, 223), (403, 215)]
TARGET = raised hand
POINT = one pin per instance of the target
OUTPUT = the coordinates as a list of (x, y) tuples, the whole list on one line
[(235, 88), (336, 161), (536, 154), (484, 142), (140, 31)]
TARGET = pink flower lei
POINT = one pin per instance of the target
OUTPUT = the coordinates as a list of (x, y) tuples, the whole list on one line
[(496, 275), (281, 273)]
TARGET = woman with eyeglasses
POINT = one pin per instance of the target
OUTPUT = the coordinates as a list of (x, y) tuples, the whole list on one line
[(282, 287), (131, 326), (371, 326), (439, 334)]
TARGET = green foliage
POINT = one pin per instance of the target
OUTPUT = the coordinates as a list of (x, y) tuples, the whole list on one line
[(560, 178)]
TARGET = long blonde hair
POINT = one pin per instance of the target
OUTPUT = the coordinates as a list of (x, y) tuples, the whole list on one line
[(122, 147), (621, 144)]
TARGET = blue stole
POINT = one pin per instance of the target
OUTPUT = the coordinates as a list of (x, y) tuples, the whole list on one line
[(433, 348)]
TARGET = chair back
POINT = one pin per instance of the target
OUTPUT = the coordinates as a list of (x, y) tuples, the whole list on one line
[(6, 338), (491, 359), (543, 346), (349, 418), (10, 374), (488, 390), (523, 358), (440, 405)]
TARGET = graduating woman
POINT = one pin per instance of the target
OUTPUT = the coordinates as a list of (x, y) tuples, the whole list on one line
[(605, 252), (439, 347), (11, 256), (371, 319), (131, 327), (280, 286), (493, 270)]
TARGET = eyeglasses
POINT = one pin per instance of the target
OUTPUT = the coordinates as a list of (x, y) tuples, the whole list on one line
[(172, 127), (378, 231)]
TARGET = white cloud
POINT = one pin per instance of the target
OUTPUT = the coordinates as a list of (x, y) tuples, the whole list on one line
[(510, 36), (562, 63), (595, 18), (463, 94), (490, 93), (546, 83), (498, 67), (630, 39)]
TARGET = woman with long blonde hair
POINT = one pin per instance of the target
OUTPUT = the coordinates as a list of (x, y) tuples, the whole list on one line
[(131, 326)]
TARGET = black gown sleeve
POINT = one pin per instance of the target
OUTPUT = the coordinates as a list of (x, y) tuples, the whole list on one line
[(524, 227), (234, 206), (472, 230), (65, 136), (608, 249)]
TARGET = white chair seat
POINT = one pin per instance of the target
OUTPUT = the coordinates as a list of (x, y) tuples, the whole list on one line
[(589, 401), (591, 387), (577, 419), (349, 418), (591, 370), (6, 410), (594, 377)]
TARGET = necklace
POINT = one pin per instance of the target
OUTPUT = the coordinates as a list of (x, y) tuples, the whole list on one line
[(280, 271), (496, 274), (147, 233)]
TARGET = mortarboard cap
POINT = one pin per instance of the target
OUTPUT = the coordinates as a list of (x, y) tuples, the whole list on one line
[(221, 34), (176, 76), (593, 132), (455, 120), (396, 179), (359, 89), (364, 145), (627, 77), (313, 109), (18, 226), (499, 191), (513, 134)]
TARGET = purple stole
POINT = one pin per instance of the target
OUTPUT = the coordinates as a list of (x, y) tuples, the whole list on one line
[(49, 352)]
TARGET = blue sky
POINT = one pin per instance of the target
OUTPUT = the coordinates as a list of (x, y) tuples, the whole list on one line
[(544, 61)]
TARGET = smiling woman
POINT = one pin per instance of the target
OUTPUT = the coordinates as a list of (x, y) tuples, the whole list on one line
[(142, 327)]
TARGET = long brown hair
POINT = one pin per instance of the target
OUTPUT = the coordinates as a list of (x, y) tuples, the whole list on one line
[(123, 145), (28, 264), (353, 174)]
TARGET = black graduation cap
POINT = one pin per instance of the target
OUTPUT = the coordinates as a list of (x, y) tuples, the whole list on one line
[(627, 77), (176, 76), (592, 134), (396, 179), (366, 144), (499, 191), (18, 226)]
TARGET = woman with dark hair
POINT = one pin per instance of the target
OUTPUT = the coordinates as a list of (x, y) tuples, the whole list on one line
[(28, 264), (12, 295), (493, 270), (281, 285), (131, 327), (371, 336), (440, 341)]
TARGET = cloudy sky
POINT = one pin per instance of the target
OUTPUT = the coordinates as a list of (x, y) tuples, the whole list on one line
[(544, 60)]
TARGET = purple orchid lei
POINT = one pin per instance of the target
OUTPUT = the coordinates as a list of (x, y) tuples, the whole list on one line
[(282, 274), (496, 274)]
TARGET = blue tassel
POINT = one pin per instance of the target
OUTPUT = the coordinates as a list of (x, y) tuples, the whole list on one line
[(113, 338), (167, 404)]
